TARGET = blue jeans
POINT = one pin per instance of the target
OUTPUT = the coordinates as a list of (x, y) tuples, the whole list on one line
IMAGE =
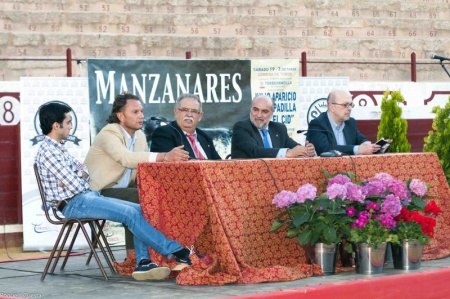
[(90, 204)]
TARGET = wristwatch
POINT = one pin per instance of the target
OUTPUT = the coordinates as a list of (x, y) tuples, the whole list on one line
[(80, 173)]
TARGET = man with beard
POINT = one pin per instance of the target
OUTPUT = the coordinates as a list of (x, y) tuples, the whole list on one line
[(116, 151), (259, 137), (183, 131), (337, 124)]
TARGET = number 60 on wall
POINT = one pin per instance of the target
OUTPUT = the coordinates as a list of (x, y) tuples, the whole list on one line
[(9, 111)]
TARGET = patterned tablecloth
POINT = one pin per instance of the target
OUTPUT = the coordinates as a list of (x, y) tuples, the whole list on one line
[(224, 209)]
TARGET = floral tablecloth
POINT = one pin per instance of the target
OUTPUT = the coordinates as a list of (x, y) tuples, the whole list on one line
[(224, 209)]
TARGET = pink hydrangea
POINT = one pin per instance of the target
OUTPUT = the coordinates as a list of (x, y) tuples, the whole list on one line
[(355, 192), (391, 205), (305, 192), (399, 189), (337, 191), (338, 179), (418, 187), (374, 188), (284, 199), (383, 177)]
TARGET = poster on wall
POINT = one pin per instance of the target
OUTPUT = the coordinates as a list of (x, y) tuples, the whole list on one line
[(38, 233), (278, 79), (223, 86)]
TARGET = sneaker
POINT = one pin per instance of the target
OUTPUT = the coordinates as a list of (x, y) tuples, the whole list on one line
[(183, 259), (146, 270)]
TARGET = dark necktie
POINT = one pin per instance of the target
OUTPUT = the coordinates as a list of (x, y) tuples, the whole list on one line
[(197, 152), (266, 138)]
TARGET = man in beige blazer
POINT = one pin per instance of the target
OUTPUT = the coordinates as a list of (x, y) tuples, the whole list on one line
[(116, 151)]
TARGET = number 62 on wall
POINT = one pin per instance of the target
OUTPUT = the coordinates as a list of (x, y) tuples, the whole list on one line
[(9, 111)]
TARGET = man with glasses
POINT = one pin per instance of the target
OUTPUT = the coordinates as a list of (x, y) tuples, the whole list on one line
[(184, 132), (336, 130), (259, 137)]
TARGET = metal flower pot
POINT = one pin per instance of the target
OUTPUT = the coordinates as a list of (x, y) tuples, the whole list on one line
[(369, 260), (407, 256), (325, 255)]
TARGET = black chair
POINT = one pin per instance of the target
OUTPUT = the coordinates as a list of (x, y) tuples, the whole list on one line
[(96, 226)]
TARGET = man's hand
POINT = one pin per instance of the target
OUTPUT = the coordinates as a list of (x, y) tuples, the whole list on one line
[(176, 154), (300, 151), (368, 148)]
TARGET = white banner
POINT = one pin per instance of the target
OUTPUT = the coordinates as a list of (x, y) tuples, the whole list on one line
[(38, 233)]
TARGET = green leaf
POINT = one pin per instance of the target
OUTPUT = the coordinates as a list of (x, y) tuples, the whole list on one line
[(300, 218), (305, 237), (277, 224)]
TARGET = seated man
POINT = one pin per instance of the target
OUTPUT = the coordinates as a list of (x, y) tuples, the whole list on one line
[(66, 187), (183, 131), (116, 151), (336, 130), (258, 137)]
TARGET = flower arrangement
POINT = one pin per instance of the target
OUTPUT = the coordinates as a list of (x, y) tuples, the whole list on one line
[(417, 220), (373, 211), (310, 217)]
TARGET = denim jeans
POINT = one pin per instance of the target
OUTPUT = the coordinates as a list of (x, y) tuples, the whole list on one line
[(90, 204)]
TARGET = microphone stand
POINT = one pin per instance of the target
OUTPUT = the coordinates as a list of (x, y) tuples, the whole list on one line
[(170, 125), (443, 66)]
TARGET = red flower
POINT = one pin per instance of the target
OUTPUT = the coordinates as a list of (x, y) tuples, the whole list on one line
[(432, 207)]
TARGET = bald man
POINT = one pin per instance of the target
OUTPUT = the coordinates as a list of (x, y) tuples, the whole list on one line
[(259, 137), (343, 135)]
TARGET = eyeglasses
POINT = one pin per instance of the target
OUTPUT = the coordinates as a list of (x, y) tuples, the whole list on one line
[(186, 110), (346, 105)]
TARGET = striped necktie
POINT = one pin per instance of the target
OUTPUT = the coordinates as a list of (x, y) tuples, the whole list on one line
[(197, 152)]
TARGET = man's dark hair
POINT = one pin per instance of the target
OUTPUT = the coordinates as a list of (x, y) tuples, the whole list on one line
[(119, 102), (52, 112)]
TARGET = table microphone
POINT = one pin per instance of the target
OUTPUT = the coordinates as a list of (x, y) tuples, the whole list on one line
[(333, 152), (170, 125)]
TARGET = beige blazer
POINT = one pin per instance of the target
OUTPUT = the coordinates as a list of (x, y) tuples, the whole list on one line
[(109, 156)]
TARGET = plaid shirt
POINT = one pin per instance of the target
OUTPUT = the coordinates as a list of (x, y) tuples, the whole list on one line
[(58, 172)]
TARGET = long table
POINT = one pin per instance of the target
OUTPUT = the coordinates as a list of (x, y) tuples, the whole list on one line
[(224, 208)]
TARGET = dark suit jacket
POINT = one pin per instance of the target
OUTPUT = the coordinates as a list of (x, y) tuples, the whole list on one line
[(321, 140), (165, 138), (246, 141)]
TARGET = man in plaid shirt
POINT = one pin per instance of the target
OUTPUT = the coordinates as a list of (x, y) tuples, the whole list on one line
[(66, 186)]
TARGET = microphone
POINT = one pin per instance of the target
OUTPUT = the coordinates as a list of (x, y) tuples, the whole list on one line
[(333, 152), (170, 125), (441, 58)]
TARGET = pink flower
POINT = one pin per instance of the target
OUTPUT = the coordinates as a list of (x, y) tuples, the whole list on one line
[(338, 179), (284, 199), (305, 192), (399, 189), (355, 192), (391, 205), (372, 206), (351, 211), (418, 187), (337, 190), (383, 177), (374, 188)]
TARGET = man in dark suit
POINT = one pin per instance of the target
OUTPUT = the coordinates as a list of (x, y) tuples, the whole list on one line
[(258, 137), (184, 132), (336, 130)]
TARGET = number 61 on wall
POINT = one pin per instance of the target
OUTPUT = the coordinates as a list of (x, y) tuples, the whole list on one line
[(9, 111)]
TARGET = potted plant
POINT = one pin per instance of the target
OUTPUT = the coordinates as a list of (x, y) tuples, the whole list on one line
[(415, 227), (318, 221)]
